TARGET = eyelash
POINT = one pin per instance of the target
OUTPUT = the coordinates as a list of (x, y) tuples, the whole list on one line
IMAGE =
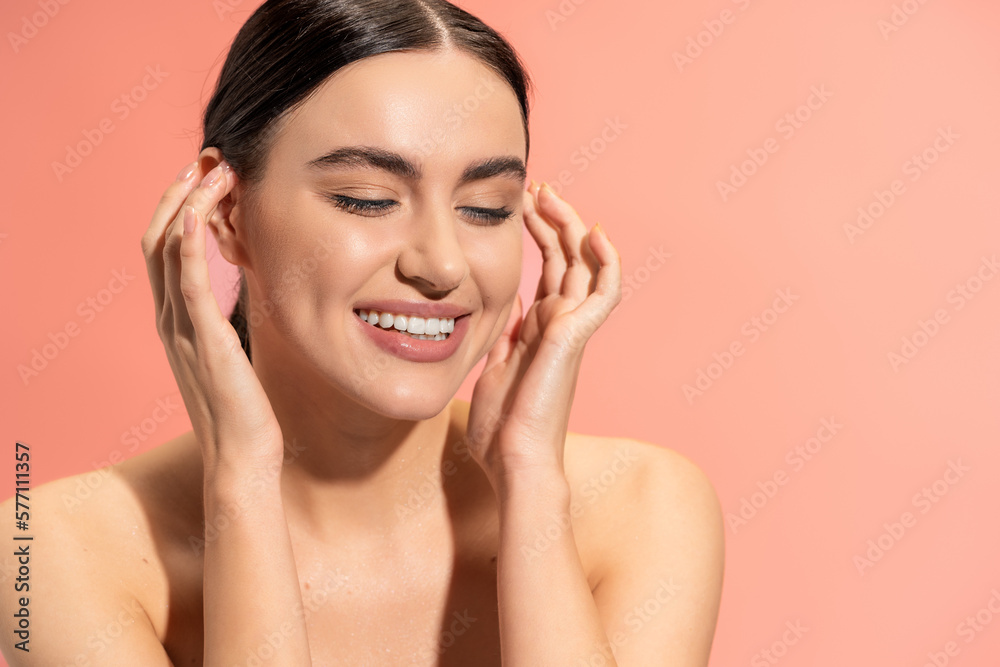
[(492, 216)]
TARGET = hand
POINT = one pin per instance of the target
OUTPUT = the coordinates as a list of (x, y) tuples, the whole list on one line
[(519, 412), (229, 410)]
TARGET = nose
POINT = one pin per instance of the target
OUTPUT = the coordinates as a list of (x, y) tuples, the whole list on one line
[(432, 255)]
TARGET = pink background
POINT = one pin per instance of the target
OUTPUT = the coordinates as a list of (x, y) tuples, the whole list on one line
[(682, 128)]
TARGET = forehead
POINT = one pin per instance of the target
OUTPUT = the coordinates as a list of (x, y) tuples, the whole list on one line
[(429, 106)]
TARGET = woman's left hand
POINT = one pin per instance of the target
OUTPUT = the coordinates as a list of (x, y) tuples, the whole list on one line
[(519, 412)]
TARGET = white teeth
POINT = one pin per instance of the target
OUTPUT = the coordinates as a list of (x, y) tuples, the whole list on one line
[(416, 325), (430, 328)]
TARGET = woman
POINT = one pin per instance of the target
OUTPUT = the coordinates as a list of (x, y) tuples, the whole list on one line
[(364, 166)]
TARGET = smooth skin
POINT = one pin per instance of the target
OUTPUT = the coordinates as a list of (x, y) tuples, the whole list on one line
[(550, 547)]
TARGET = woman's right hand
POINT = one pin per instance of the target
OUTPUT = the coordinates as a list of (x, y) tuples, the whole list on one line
[(229, 410)]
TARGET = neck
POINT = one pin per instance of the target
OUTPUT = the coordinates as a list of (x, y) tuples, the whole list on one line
[(348, 469)]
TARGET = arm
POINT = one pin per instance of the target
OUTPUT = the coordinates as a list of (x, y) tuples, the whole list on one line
[(251, 589), (659, 575), (251, 585), (547, 612)]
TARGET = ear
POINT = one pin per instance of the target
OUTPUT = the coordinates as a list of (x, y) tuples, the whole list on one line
[(226, 221)]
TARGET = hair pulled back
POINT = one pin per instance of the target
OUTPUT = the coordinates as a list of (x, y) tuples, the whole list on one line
[(287, 48)]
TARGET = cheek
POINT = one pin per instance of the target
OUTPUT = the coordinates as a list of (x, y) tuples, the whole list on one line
[(496, 264), (301, 254), (325, 272)]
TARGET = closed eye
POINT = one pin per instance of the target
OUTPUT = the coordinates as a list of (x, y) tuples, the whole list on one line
[(377, 207), (361, 206)]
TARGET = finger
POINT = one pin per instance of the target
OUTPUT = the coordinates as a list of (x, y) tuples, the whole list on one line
[(580, 268), (203, 199), (153, 238), (502, 348), (200, 303), (607, 292), (547, 238)]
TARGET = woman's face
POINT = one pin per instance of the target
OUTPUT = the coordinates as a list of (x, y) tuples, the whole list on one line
[(434, 234)]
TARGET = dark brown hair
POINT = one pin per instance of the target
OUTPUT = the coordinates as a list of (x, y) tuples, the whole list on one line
[(287, 48)]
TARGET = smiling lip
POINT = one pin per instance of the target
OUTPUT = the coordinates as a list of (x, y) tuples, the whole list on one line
[(413, 349), (418, 308)]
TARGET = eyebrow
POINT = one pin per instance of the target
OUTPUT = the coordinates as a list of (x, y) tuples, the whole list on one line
[(373, 157)]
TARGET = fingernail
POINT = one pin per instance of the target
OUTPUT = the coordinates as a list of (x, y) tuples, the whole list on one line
[(601, 230), (546, 186), (212, 177), (187, 171), (188, 219)]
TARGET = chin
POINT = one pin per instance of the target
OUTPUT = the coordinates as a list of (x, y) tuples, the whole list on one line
[(409, 402)]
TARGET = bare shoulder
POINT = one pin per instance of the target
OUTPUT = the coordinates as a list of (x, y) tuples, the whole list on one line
[(621, 485), (653, 524), (84, 574), (595, 466)]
